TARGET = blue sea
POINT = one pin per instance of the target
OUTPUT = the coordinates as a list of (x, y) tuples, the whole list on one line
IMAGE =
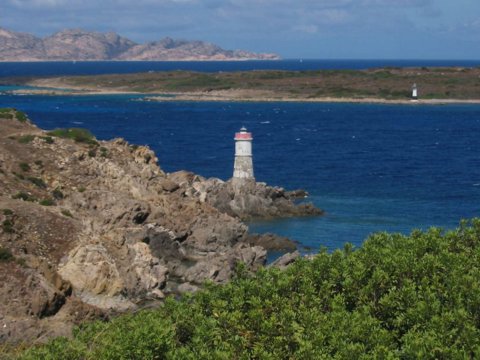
[(371, 167)]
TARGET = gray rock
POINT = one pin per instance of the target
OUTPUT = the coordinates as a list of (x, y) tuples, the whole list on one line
[(187, 288), (285, 260), (271, 241)]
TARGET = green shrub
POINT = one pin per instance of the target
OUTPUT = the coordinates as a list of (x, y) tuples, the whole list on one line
[(47, 139), (5, 255), (24, 196), (92, 153), (6, 116), (39, 163), (47, 202), (37, 182), (19, 176), (21, 116), (57, 194), (24, 166), (396, 297), (81, 189), (103, 151), (76, 134), (7, 212), (25, 139), (66, 213), (7, 226)]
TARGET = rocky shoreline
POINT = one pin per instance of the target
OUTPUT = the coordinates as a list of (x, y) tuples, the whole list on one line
[(91, 228)]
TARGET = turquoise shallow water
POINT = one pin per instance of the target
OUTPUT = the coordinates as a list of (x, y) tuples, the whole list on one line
[(370, 167)]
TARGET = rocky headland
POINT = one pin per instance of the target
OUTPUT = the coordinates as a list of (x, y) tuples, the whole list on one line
[(90, 228), (81, 45)]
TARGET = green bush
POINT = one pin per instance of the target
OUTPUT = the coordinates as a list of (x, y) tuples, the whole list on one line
[(21, 116), (19, 176), (37, 182), (10, 114), (7, 227), (406, 297), (5, 255), (24, 196), (47, 202), (7, 212), (58, 194), (47, 139), (24, 166), (66, 213), (25, 139), (6, 115), (76, 134)]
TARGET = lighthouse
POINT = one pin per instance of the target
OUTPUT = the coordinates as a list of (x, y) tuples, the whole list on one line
[(414, 92), (243, 167)]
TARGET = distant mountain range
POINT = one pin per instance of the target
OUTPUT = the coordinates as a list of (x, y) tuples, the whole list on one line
[(78, 45)]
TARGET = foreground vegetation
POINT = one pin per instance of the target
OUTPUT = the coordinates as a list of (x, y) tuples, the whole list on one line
[(385, 83), (9, 114), (397, 296)]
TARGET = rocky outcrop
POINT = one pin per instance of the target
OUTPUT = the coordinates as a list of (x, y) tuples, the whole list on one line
[(271, 241), (250, 199), (77, 44), (90, 227)]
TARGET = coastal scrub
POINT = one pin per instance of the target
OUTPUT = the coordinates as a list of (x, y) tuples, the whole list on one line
[(396, 296)]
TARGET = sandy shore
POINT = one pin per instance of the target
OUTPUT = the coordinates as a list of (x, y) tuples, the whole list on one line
[(57, 86)]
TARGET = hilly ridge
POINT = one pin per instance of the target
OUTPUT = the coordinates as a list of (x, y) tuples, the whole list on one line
[(77, 44)]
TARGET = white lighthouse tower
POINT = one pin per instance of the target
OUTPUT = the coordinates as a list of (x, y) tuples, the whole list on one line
[(414, 92), (243, 167)]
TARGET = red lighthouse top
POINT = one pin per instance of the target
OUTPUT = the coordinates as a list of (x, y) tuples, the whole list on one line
[(243, 134)]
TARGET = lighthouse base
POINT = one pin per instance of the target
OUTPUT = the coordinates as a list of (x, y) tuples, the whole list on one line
[(243, 168), (240, 184)]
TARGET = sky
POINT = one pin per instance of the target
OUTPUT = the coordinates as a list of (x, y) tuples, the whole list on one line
[(315, 29)]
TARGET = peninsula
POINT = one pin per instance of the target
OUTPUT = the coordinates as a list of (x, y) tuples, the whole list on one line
[(90, 228), (388, 85)]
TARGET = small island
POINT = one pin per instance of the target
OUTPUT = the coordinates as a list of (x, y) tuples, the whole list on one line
[(383, 85)]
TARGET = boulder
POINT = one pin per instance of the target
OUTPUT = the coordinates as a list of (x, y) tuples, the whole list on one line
[(271, 241), (283, 261)]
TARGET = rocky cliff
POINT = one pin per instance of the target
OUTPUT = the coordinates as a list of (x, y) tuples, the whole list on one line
[(76, 44), (89, 227)]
